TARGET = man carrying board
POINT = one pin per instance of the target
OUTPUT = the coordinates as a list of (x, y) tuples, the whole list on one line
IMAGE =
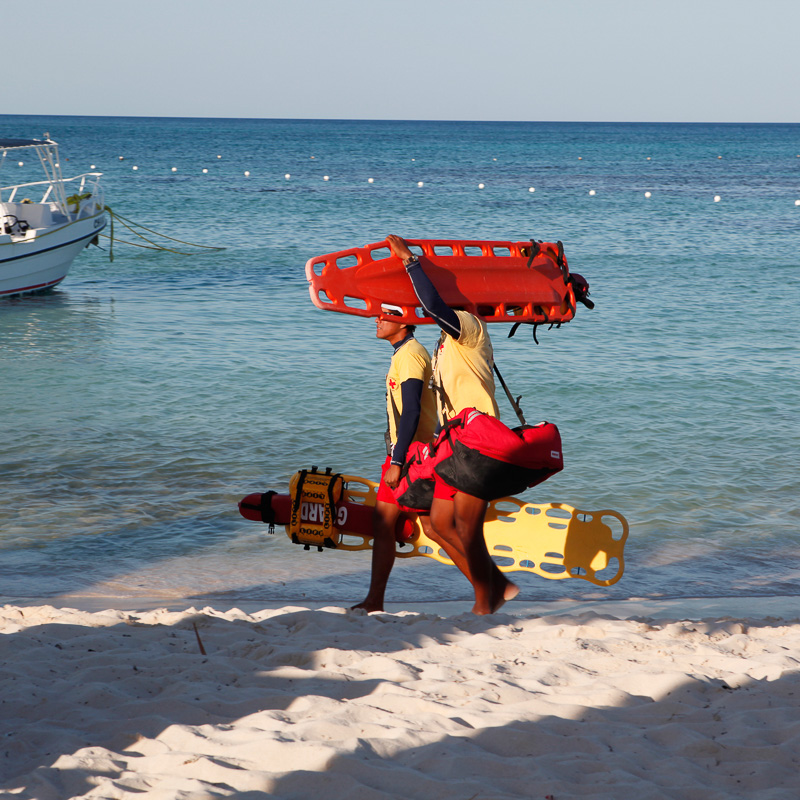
[(462, 378)]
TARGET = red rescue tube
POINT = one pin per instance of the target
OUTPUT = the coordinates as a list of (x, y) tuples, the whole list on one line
[(260, 506), (500, 281)]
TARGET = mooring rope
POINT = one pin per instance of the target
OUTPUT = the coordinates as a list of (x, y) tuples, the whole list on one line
[(131, 226)]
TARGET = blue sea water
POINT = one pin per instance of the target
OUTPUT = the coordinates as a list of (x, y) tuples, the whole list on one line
[(141, 399)]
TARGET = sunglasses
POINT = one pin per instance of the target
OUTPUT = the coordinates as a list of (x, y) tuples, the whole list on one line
[(390, 311)]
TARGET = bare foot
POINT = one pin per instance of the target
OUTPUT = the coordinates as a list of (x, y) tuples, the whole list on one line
[(509, 592), (502, 591), (368, 607)]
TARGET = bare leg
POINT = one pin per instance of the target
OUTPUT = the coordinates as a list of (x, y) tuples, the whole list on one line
[(468, 516), (470, 513), (441, 528), (385, 519), (459, 525)]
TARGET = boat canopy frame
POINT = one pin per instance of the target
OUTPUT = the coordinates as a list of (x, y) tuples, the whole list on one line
[(47, 151)]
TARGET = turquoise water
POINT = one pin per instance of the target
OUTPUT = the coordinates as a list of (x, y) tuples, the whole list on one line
[(144, 397)]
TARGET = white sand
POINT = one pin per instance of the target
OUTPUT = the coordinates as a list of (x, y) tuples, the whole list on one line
[(323, 703)]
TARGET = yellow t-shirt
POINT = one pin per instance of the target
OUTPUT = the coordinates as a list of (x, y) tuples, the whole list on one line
[(462, 371), (410, 361)]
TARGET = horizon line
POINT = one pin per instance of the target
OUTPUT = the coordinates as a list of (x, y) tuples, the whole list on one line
[(395, 121)]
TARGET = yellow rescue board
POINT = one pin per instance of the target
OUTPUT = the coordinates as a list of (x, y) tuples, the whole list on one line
[(553, 540)]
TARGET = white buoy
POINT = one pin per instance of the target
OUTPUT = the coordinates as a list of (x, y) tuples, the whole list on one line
[(174, 169), (797, 202), (414, 159), (135, 168), (287, 176), (580, 158), (21, 163), (647, 194), (93, 167), (648, 158), (326, 177), (592, 192), (531, 189), (370, 180), (121, 158), (717, 198), (219, 156), (420, 184), (247, 173), (313, 157), (205, 172), (480, 186)]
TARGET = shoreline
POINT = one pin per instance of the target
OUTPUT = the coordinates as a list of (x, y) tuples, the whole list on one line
[(783, 607)]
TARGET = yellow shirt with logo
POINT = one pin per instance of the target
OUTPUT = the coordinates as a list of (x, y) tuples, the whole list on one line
[(411, 361), (462, 373)]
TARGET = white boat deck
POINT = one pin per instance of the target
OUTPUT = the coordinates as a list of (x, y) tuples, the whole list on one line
[(40, 239)]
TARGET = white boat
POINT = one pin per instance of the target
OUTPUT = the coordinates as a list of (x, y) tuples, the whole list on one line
[(39, 239)]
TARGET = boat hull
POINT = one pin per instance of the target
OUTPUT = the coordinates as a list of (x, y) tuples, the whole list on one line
[(43, 260)]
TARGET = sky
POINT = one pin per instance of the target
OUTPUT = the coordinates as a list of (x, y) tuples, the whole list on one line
[(556, 60)]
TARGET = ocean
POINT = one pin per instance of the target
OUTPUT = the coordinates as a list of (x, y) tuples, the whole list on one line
[(142, 398)]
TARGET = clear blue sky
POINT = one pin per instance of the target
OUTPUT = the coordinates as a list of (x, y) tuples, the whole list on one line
[(620, 60)]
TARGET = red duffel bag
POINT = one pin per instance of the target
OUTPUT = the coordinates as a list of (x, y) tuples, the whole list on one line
[(414, 492), (479, 455)]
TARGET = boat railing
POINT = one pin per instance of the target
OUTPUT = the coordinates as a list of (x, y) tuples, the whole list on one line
[(85, 187)]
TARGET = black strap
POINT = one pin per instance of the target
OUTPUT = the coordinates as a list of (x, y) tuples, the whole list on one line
[(267, 511), (514, 403), (534, 324), (534, 252), (453, 422), (561, 262), (331, 499), (388, 435), (444, 433), (442, 400), (298, 492)]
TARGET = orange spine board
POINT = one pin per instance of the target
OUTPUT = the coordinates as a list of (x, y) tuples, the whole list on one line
[(492, 279)]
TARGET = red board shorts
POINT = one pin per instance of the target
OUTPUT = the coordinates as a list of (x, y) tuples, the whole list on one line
[(384, 492), (442, 490)]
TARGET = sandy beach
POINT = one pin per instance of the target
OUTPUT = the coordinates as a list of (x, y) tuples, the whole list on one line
[(608, 700)]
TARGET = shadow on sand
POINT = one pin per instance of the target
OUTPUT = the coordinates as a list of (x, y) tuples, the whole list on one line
[(118, 686)]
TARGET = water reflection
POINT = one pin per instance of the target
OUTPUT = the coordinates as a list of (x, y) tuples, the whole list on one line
[(57, 323)]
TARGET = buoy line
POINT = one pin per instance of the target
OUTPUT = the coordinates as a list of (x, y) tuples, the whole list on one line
[(420, 184)]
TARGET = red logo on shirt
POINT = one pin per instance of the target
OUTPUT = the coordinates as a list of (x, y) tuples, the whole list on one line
[(392, 384)]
